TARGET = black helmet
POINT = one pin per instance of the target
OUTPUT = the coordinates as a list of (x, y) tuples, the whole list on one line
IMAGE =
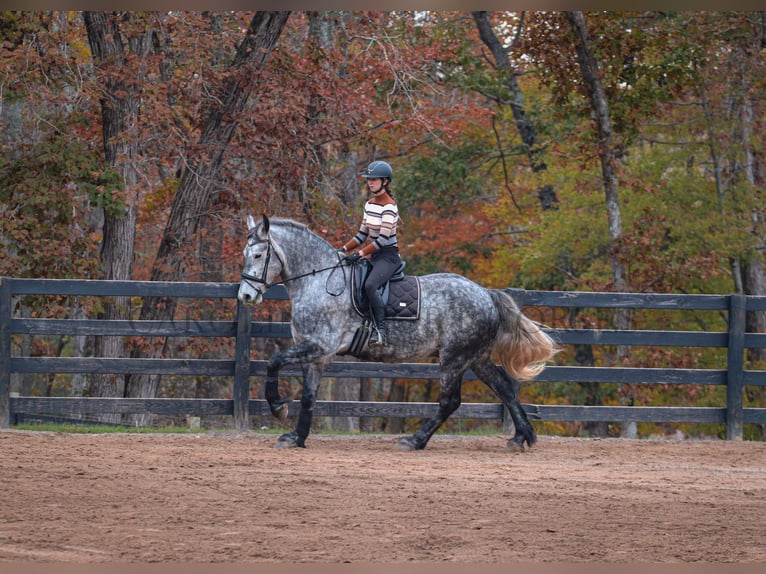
[(378, 169)]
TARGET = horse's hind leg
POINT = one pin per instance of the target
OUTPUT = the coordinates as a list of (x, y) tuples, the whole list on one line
[(505, 388), (449, 401)]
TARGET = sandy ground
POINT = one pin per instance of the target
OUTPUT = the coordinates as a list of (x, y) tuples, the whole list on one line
[(233, 498)]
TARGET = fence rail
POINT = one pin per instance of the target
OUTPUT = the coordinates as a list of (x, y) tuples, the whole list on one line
[(241, 367)]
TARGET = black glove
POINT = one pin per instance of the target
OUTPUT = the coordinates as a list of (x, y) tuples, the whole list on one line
[(352, 257)]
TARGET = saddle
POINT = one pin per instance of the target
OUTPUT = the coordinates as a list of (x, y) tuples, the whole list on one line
[(400, 294)]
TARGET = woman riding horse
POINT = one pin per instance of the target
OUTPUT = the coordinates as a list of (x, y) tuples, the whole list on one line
[(381, 216), (461, 323)]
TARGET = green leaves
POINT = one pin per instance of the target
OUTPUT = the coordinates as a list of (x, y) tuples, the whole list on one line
[(46, 210), (103, 193), (445, 176)]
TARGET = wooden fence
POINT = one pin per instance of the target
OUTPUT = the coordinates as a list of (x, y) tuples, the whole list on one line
[(241, 406)]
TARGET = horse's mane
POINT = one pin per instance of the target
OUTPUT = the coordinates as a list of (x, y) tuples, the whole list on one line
[(297, 225)]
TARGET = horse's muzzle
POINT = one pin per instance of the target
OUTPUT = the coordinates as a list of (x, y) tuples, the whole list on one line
[(249, 295)]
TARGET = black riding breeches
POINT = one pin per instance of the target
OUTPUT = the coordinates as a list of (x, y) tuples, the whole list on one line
[(384, 263)]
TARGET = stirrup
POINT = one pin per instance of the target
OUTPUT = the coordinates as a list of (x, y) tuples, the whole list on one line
[(378, 338)]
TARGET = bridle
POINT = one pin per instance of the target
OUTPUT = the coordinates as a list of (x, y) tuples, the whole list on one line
[(250, 279)]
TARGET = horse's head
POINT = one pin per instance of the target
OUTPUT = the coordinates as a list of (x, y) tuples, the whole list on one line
[(262, 262)]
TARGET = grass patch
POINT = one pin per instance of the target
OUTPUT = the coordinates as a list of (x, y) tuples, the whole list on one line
[(100, 429), (487, 429)]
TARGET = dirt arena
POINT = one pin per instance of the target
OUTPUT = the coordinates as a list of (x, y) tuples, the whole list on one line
[(233, 498)]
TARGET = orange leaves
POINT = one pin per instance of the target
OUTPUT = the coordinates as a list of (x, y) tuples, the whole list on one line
[(439, 240)]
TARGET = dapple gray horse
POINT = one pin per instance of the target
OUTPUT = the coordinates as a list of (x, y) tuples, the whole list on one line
[(461, 323)]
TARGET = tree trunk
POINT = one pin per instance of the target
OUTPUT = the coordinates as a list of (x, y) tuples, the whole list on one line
[(753, 271), (366, 424), (397, 395), (545, 192), (322, 35), (120, 103), (346, 389), (754, 277), (591, 76), (79, 348), (321, 38), (192, 199)]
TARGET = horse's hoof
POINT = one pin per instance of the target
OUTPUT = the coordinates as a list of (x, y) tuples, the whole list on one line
[(289, 440), (514, 447), (280, 412), (406, 444)]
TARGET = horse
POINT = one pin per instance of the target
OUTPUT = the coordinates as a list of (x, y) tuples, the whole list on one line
[(461, 323)]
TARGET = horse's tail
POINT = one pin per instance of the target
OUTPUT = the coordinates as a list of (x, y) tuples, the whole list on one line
[(521, 345)]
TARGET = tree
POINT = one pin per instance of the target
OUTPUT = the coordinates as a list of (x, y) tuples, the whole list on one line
[(605, 146), (728, 102), (120, 43), (524, 125), (192, 198), (466, 111)]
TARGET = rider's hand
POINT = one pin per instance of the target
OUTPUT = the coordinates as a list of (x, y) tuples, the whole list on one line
[(341, 250), (352, 257)]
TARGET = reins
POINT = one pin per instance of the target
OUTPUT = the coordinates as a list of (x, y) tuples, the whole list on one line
[(267, 285)]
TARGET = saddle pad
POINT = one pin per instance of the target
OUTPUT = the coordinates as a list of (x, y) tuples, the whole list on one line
[(404, 299)]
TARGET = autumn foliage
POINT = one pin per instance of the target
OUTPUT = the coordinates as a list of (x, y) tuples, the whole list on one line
[(422, 91)]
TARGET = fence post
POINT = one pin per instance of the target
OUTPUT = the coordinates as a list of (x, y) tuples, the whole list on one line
[(5, 352), (241, 391), (735, 374)]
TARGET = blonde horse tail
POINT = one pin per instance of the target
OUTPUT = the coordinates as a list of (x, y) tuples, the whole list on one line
[(522, 346)]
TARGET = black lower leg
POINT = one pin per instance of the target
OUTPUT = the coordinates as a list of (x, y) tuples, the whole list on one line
[(272, 384), (505, 388), (449, 401), (303, 352), (277, 405), (307, 353), (304, 426), (378, 312)]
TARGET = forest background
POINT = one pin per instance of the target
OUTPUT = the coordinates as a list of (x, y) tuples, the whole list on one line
[(609, 151)]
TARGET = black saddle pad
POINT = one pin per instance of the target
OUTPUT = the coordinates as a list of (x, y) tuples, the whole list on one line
[(404, 299), (401, 294)]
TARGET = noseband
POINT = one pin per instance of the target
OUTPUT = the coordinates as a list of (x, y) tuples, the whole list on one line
[(250, 279)]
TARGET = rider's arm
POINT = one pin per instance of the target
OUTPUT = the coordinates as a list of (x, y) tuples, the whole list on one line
[(357, 240)]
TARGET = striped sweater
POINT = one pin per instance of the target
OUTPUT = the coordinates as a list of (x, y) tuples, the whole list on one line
[(379, 224)]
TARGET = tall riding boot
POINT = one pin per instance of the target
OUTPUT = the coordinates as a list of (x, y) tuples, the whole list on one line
[(378, 310)]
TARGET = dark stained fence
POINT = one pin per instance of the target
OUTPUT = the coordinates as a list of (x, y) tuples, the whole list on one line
[(734, 376)]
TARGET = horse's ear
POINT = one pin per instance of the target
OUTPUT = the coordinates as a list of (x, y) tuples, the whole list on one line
[(250, 222), (265, 224)]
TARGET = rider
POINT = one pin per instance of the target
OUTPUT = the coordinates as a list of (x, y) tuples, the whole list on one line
[(381, 216)]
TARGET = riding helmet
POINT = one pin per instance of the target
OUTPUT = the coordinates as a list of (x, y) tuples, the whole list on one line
[(378, 169)]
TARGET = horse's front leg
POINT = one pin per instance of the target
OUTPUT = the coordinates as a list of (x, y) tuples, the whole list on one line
[(312, 375), (304, 352), (309, 355)]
